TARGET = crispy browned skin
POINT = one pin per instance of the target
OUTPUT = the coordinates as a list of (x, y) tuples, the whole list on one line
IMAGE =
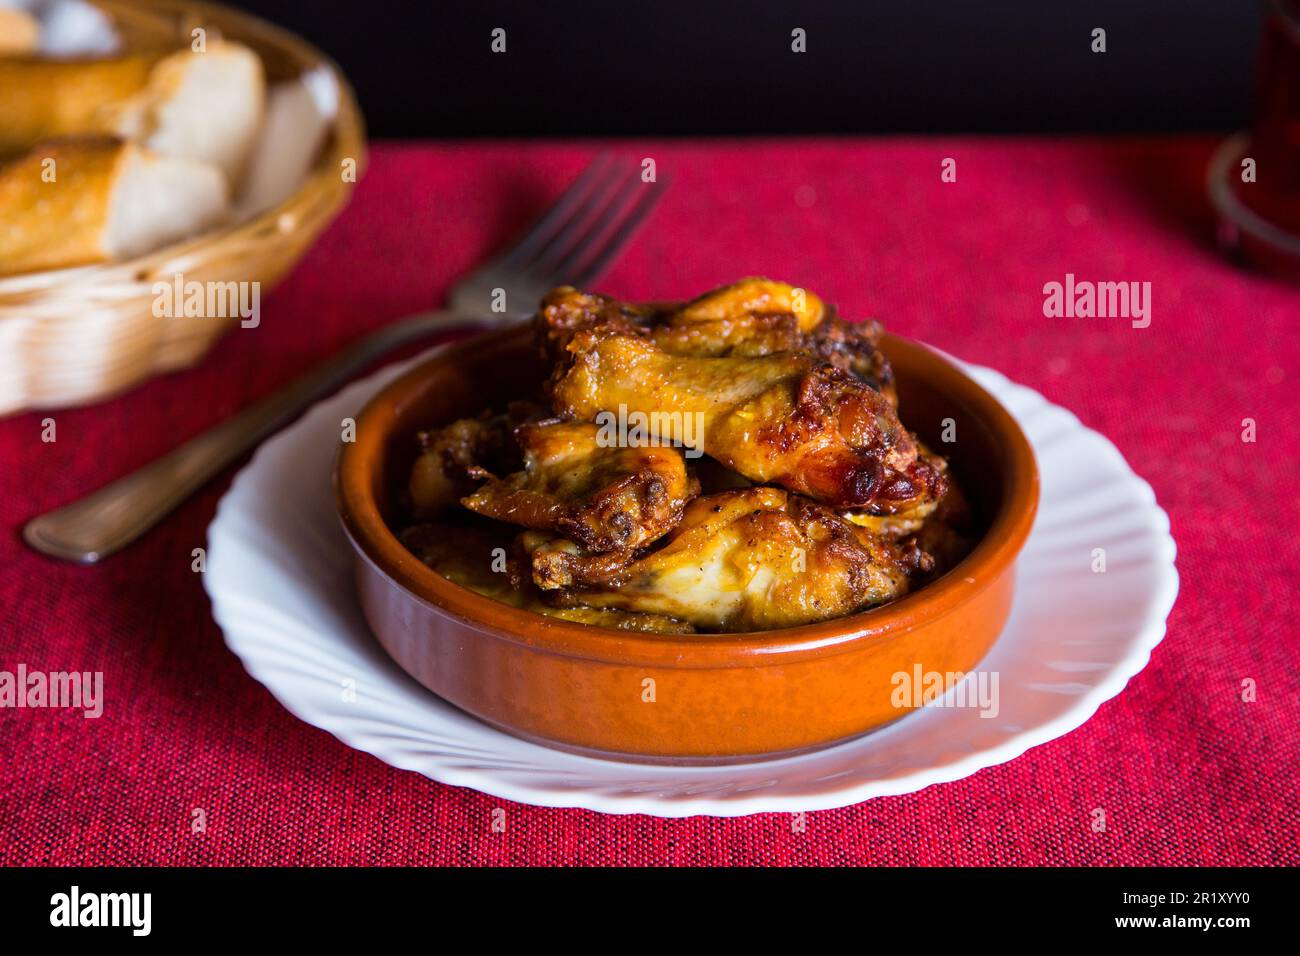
[(854, 347), (908, 521), (756, 558), (895, 526), (476, 555), (565, 312), (614, 534), (750, 318), (756, 317), (456, 458), (784, 418), (755, 295), (948, 533), (603, 498), (554, 561)]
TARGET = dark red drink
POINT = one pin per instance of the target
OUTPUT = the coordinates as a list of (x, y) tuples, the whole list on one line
[(1275, 140)]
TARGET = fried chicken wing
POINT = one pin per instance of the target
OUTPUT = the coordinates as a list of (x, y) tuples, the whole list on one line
[(453, 458), (755, 296), (784, 418), (605, 498), (757, 558), (558, 562), (817, 502), (565, 312), (749, 318), (477, 557), (854, 347), (949, 532), (908, 521), (765, 315)]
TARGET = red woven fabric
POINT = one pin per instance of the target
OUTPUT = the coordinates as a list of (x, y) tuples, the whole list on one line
[(1188, 773)]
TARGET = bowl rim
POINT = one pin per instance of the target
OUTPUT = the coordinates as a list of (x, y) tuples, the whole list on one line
[(376, 544)]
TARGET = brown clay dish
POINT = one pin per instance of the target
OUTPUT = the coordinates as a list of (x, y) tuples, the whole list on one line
[(662, 697)]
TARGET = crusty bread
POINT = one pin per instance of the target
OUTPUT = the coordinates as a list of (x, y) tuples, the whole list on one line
[(20, 33), (41, 98), (206, 106), (109, 199)]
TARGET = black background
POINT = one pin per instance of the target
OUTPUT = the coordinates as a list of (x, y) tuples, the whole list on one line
[(693, 67), (346, 908)]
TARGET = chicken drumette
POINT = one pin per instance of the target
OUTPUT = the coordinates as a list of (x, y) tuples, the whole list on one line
[(749, 318), (609, 528), (751, 559), (604, 498), (453, 459), (784, 418)]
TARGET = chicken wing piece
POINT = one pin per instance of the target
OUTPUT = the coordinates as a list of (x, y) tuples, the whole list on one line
[(603, 497), (455, 458), (755, 295), (766, 314), (749, 318), (469, 552), (757, 317), (557, 562), (757, 558), (909, 521), (893, 526), (949, 533), (565, 312), (784, 418), (854, 347)]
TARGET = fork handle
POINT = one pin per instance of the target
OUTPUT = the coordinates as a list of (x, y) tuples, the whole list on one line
[(109, 519)]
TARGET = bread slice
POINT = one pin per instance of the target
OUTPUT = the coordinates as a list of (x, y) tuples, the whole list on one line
[(20, 32), (206, 106), (109, 200), (42, 98)]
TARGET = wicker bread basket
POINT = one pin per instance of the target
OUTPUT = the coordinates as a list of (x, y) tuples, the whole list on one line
[(73, 336)]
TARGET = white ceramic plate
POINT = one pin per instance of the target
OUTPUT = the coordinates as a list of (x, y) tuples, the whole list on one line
[(279, 576)]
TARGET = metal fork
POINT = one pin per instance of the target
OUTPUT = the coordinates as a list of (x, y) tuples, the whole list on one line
[(572, 243)]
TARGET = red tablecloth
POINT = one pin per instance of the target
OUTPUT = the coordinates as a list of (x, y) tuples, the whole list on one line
[(1188, 773)]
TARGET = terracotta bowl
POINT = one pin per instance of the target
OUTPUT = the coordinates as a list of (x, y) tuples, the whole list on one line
[(714, 697)]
